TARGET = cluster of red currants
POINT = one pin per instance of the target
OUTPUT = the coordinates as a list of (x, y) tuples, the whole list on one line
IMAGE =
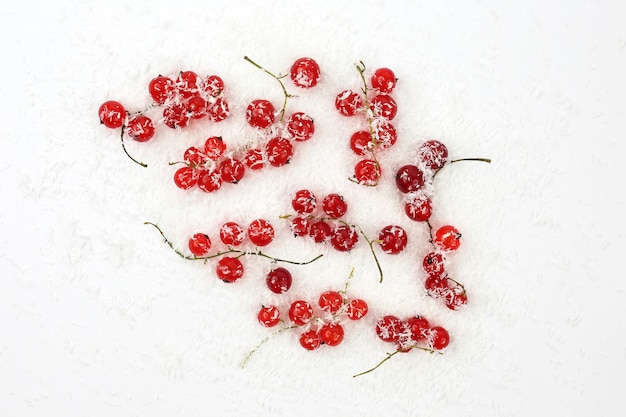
[(320, 324), (325, 225), (414, 332), (380, 133)]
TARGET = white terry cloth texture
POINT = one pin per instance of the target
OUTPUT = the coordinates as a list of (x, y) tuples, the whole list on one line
[(100, 317)]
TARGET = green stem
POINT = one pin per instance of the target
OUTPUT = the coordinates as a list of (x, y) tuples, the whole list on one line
[(277, 78), (262, 342), (371, 245), (389, 356), (487, 160), (126, 152)]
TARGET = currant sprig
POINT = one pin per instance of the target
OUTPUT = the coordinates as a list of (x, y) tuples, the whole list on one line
[(278, 78)]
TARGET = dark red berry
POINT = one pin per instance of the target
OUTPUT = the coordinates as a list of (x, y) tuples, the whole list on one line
[(269, 316), (433, 154), (310, 340), (356, 309), (140, 128), (229, 269), (260, 113), (278, 151), (334, 205), (232, 234), (348, 103), (300, 312), (419, 208), (300, 126), (331, 333), (384, 80), (304, 202), (330, 301), (409, 179), (279, 280), (305, 72), (320, 231), (393, 239), (261, 232), (112, 114), (344, 238)]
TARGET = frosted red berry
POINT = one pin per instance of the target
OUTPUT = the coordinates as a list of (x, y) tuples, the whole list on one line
[(367, 172), (261, 232), (209, 180), (232, 234), (356, 309), (344, 238), (260, 113), (409, 178), (389, 328), (384, 106), (447, 238), (419, 208), (278, 151), (213, 86), (439, 338), (196, 107), (305, 72), (383, 80), (269, 316), (194, 157), (175, 116), (393, 239), (185, 178), (331, 333), (214, 147), (310, 340), (320, 231), (232, 170), (304, 202), (229, 269), (199, 244), (300, 226), (419, 328), (112, 114), (433, 153), (140, 128), (279, 280), (385, 134), (361, 142), (334, 205), (254, 159), (300, 126), (348, 103), (161, 89), (330, 301), (187, 84), (433, 263), (300, 312), (217, 110)]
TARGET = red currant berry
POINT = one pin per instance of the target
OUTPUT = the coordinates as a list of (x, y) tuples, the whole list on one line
[(386, 134), (320, 231), (278, 151), (209, 180), (447, 238), (112, 114), (434, 264), (439, 338), (218, 110), (310, 340), (344, 238), (196, 107), (300, 126), (300, 226), (331, 334), (305, 72), (356, 309), (456, 299), (304, 202), (367, 172), (213, 86), (419, 208), (330, 301), (300, 312), (254, 159), (409, 179), (278, 280), (232, 170), (419, 328), (393, 239), (194, 157), (389, 328), (361, 142), (384, 106), (348, 103), (384, 80), (260, 113), (214, 147), (433, 154), (185, 178), (187, 84), (436, 286), (229, 269), (140, 128), (232, 234), (261, 232), (334, 205), (175, 116), (161, 89), (199, 244), (269, 316)]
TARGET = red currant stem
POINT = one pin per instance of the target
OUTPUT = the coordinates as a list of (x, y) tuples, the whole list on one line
[(239, 253), (371, 245), (345, 286), (456, 282), (487, 160), (389, 355), (277, 78), (262, 342), (126, 152)]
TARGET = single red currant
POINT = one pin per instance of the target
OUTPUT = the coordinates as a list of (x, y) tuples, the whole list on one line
[(304, 202), (185, 178), (409, 179), (433, 154), (367, 172), (140, 128), (161, 89), (229, 269), (393, 239), (356, 309), (300, 226), (213, 86), (187, 84), (194, 157), (196, 107), (300, 126), (439, 338), (278, 280), (261, 232), (209, 180), (300, 312), (310, 340), (254, 159), (217, 110), (232, 234), (330, 301), (348, 103), (361, 142), (278, 151), (419, 208), (331, 334), (344, 238), (320, 231), (269, 316), (334, 205), (384, 106), (305, 72), (384, 80), (456, 299), (436, 286), (214, 147), (434, 264), (260, 113), (447, 238), (175, 116), (419, 328), (232, 170), (112, 114), (389, 328), (199, 244), (385, 133)]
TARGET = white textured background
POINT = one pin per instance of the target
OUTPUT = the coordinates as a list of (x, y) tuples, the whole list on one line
[(99, 318)]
